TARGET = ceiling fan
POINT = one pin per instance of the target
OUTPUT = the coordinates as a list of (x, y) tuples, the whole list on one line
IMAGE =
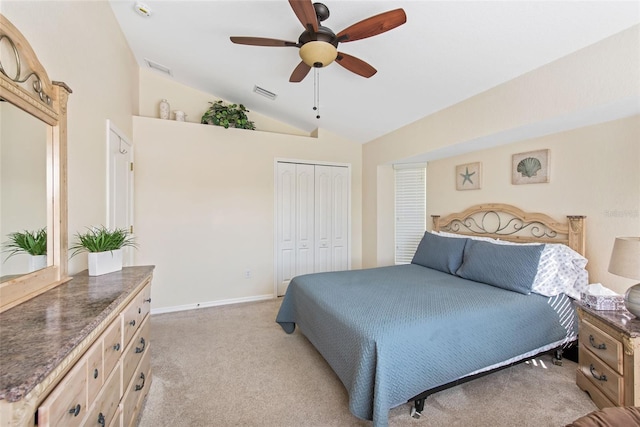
[(318, 44)]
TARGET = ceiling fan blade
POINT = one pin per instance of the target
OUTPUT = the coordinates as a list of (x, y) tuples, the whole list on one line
[(373, 26), (306, 13), (355, 65), (261, 41), (299, 73)]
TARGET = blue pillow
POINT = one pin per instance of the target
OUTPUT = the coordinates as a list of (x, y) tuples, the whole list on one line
[(510, 267), (439, 252)]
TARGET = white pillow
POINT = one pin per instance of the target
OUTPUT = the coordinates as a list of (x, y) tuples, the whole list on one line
[(560, 269)]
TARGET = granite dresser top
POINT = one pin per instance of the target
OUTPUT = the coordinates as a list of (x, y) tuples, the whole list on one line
[(37, 335)]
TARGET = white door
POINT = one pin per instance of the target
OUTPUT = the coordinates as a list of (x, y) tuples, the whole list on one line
[(285, 225), (304, 218), (312, 220), (340, 218), (323, 229), (332, 218), (120, 184)]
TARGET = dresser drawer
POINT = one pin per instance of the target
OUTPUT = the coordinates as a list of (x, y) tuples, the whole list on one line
[(135, 352), (607, 348), (67, 404), (105, 408), (113, 346), (146, 300), (602, 376), (136, 391), (95, 371), (135, 313)]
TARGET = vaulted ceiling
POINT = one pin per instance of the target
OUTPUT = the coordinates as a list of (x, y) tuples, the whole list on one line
[(446, 52)]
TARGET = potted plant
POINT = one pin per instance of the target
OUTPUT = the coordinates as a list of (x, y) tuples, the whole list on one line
[(33, 243), (104, 247), (227, 115)]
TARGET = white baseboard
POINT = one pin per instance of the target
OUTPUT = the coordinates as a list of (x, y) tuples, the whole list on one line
[(210, 304)]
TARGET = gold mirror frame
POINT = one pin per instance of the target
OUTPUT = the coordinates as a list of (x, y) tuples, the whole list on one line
[(31, 91)]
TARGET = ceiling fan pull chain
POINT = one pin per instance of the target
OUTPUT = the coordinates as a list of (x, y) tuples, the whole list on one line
[(316, 91)]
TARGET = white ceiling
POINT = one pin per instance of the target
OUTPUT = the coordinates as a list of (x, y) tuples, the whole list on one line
[(447, 51)]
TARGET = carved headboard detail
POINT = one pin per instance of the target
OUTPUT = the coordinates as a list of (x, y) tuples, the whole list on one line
[(506, 222)]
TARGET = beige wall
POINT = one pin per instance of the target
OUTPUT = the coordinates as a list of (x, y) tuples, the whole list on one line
[(204, 206), (154, 87), (593, 172), (600, 77), (81, 44)]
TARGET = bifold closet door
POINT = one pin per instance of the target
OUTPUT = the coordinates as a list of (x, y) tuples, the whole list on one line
[(295, 222), (331, 219), (312, 220), (305, 202)]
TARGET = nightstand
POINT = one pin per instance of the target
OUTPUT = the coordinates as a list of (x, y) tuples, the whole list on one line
[(609, 356)]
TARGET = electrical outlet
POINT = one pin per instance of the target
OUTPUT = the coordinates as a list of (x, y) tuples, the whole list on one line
[(248, 274)]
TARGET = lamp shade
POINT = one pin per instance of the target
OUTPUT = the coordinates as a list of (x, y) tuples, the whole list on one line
[(318, 53), (625, 257)]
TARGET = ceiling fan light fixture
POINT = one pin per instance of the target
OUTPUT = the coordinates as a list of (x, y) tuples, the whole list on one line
[(318, 53)]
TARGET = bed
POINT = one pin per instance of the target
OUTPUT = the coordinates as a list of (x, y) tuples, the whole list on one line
[(489, 287)]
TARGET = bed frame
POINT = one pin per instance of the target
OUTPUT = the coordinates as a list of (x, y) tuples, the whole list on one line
[(506, 222)]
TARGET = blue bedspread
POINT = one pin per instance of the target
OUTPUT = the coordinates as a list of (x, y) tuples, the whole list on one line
[(391, 333)]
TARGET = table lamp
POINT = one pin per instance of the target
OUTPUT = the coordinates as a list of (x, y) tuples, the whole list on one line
[(625, 262)]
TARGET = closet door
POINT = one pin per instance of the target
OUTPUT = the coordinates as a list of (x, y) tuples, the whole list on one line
[(332, 218), (312, 220), (340, 218), (285, 225), (323, 229), (304, 219)]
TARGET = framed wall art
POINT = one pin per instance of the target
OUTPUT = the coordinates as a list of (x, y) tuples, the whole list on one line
[(468, 176), (531, 167)]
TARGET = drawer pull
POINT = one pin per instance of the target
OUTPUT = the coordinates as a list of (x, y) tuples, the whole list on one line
[(95, 374), (592, 341), (75, 410), (139, 310), (140, 387), (593, 374), (116, 347), (101, 419), (144, 344), (133, 322), (147, 300)]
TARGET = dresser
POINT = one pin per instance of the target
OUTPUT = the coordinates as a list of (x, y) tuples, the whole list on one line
[(78, 354), (609, 357)]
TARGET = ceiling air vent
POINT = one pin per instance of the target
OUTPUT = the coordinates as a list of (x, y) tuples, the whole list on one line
[(264, 92), (158, 67)]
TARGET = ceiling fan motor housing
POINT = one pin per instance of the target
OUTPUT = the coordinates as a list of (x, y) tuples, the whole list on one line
[(318, 49)]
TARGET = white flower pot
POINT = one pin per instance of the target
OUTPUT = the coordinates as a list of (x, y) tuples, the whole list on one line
[(104, 262), (37, 262)]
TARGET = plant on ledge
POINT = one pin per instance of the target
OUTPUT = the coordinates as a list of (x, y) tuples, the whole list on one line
[(101, 239), (28, 242), (227, 115)]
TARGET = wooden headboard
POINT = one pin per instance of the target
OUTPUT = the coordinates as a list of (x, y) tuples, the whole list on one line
[(506, 222)]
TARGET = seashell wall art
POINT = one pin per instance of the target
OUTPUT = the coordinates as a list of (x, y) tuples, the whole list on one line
[(531, 167)]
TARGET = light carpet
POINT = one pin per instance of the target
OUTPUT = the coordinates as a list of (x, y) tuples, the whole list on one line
[(234, 366)]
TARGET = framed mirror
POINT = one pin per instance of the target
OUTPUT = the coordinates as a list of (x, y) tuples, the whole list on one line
[(33, 166)]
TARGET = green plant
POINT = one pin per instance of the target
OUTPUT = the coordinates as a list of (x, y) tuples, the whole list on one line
[(29, 242), (101, 239), (227, 115)]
